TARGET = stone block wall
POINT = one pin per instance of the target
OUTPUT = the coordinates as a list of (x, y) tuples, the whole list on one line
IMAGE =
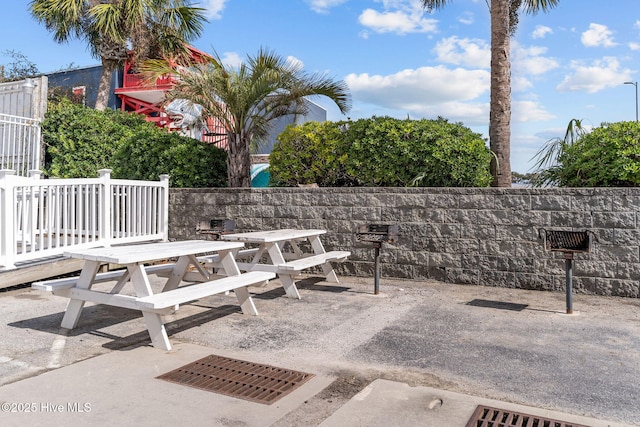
[(475, 236)]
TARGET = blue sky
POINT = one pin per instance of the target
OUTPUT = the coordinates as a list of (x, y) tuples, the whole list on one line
[(400, 61)]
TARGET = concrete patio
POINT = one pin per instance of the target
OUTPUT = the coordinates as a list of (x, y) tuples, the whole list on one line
[(420, 353)]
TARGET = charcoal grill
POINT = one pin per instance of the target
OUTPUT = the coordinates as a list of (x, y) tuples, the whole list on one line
[(216, 227), (377, 234), (569, 243)]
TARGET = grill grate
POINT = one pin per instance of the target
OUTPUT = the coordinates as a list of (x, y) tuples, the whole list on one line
[(567, 241), (377, 233), (485, 416), (238, 378)]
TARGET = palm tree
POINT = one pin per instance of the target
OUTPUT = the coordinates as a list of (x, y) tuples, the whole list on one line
[(504, 18), (549, 166), (249, 98), (152, 28)]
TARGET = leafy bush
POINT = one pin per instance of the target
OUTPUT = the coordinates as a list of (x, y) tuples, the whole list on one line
[(381, 151), (309, 153), (80, 141), (190, 163), (608, 156)]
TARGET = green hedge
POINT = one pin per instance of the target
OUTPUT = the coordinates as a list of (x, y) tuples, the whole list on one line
[(310, 153), (80, 141), (608, 156), (381, 151), (190, 162)]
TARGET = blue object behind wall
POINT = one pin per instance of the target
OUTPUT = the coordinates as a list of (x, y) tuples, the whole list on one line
[(260, 175)]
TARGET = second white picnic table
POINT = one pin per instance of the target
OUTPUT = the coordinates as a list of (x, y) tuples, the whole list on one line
[(288, 264)]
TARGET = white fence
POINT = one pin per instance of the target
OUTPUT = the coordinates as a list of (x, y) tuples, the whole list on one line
[(43, 218), (19, 144), (25, 98)]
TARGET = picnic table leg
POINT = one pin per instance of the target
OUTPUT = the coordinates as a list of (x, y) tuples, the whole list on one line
[(176, 274), (287, 281), (74, 308), (245, 301), (289, 286), (227, 260), (157, 331), (228, 263), (327, 269)]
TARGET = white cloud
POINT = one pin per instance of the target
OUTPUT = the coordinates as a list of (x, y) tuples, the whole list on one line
[(520, 83), (468, 52), (323, 6), (295, 61), (598, 35), (231, 59), (476, 53), (530, 60), (634, 46), (601, 74), (637, 24), (466, 18), (213, 8), (399, 22), (427, 92), (529, 111), (541, 31), (425, 84)]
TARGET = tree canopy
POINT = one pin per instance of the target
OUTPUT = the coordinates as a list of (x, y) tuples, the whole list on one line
[(152, 28), (248, 99)]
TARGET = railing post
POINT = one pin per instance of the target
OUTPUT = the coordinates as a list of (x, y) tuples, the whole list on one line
[(164, 217), (35, 173), (105, 220), (7, 205), (32, 203)]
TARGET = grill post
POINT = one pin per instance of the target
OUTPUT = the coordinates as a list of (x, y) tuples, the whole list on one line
[(376, 277), (568, 261), (376, 234)]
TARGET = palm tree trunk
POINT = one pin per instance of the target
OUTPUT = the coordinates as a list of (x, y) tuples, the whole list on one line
[(238, 162), (500, 116), (104, 87)]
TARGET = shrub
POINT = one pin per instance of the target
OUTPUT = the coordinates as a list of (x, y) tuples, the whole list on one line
[(430, 153), (608, 156), (381, 151), (307, 154), (80, 141), (151, 152)]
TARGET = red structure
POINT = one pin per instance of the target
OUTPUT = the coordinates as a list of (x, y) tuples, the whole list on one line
[(141, 97)]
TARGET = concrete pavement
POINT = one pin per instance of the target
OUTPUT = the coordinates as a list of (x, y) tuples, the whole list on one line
[(421, 353)]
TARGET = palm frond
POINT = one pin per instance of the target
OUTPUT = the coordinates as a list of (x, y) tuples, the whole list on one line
[(550, 154), (431, 5), (535, 6)]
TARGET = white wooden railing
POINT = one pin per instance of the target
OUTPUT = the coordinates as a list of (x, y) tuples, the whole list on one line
[(44, 217), (19, 143)]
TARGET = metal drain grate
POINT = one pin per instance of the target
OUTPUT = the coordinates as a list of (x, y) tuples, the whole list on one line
[(486, 416), (238, 378)]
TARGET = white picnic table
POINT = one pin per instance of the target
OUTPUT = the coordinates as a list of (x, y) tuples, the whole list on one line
[(134, 257), (287, 264)]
